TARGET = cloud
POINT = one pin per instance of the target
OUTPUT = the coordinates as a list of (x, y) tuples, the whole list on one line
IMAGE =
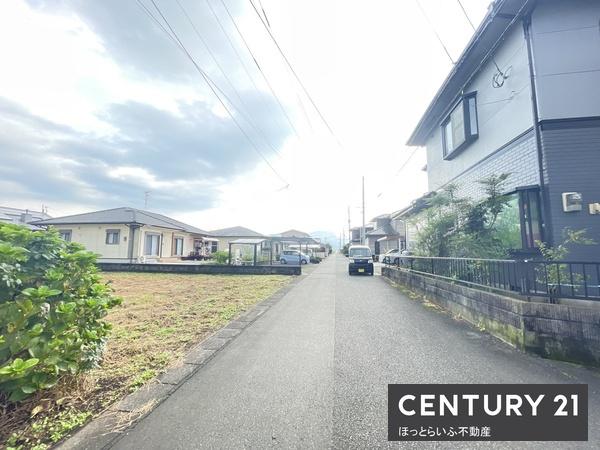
[(182, 158), (136, 42), (151, 123)]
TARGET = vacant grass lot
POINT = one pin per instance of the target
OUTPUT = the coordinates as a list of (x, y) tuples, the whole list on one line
[(160, 317)]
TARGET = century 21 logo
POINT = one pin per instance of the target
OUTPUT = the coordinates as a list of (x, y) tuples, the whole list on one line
[(503, 404)]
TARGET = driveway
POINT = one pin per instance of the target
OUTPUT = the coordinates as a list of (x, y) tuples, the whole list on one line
[(312, 372)]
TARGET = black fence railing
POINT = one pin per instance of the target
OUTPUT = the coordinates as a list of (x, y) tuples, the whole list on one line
[(554, 279)]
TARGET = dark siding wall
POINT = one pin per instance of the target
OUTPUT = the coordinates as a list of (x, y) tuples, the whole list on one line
[(572, 164)]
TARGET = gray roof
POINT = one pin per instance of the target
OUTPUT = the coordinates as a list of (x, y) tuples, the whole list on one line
[(380, 216), (479, 49), (237, 231), (123, 215), (293, 233), (385, 230), (23, 217)]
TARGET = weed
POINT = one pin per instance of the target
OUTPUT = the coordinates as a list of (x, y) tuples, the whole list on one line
[(161, 316)]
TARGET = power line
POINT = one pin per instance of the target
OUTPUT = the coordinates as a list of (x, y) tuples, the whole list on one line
[(413, 153), (258, 130), (475, 29), (434, 31), (239, 57), (264, 12), (213, 87), (264, 76), (296, 75), (466, 15), (305, 113)]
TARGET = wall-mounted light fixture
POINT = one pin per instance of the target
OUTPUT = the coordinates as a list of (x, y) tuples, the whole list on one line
[(594, 208)]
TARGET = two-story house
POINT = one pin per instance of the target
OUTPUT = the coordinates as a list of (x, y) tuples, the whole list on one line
[(524, 99), (384, 237)]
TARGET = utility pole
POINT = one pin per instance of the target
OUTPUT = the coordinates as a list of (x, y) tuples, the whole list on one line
[(362, 232), (146, 195), (349, 232)]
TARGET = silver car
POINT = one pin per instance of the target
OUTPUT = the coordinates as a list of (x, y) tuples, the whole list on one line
[(390, 257), (293, 257)]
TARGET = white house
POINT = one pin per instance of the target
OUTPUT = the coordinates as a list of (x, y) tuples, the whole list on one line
[(131, 235)]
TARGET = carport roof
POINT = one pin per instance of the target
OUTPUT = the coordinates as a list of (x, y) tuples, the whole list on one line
[(247, 241)]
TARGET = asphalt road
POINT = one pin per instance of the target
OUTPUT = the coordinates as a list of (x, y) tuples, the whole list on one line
[(312, 372)]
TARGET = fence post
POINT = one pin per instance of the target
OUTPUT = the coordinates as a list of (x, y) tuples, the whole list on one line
[(521, 275)]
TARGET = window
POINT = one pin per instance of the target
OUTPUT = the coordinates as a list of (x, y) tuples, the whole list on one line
[(519, 225), (112, 237), (531, 224), (65, 235), (460, 128), (214, 246), (360, 251), (152, 244), (178, 246)]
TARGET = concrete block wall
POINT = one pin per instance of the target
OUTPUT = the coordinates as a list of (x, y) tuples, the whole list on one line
[(565, 332), (200, 269)]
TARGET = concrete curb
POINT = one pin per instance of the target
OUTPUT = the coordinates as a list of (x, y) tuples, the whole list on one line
[(103, 431)]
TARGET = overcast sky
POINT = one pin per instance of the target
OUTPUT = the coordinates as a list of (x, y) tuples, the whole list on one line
[(99, 106)]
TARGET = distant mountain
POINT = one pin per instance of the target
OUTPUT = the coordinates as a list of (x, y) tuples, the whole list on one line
[(327, 237)]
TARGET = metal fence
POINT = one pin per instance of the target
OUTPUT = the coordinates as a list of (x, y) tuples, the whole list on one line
[(554, 279)]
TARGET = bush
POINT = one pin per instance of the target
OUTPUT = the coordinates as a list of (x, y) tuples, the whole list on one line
[(221, 257), (52, 301), (461, 227)]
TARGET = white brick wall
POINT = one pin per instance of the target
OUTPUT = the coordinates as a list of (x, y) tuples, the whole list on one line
[(519, 159)]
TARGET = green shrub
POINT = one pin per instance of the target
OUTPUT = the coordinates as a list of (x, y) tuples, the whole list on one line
[(221, 257), (52, 301)]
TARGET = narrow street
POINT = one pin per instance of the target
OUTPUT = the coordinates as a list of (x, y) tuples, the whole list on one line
[(312, 372)]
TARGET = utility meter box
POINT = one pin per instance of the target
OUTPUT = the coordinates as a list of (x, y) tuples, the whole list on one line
[(572, 201)]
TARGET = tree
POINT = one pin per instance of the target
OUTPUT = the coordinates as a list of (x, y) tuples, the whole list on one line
[(553, 273), (459, 227)]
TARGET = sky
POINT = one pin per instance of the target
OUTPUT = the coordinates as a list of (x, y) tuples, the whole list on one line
[(100, 108)]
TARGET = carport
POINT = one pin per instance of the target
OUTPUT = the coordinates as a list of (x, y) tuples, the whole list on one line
[(296, 243), (256, 244)]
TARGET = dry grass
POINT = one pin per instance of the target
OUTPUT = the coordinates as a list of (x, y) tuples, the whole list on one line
[(161, 316)]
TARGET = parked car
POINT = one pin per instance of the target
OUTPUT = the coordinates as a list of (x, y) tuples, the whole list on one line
[(360, 260), (405, 261), (293, 257), (390, 257)]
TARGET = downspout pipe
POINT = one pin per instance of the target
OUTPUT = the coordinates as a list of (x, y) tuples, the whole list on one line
[(545, 203), (131, 243)]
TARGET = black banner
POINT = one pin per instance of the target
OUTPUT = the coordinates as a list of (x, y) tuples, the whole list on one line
[(487, 412)]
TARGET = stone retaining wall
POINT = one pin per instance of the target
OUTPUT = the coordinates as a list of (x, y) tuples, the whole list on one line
[(201, 268), (566, 332)]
